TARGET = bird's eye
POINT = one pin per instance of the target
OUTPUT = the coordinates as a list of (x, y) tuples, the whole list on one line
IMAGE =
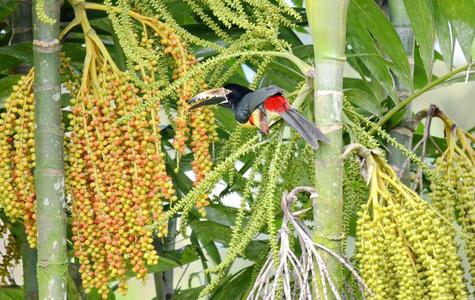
[(227, 91)]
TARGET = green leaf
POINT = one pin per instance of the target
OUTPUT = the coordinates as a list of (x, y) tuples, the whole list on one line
[(422, 22), (21, 51), (212, 230), (182, 256), (102, 23), (235, 286), (289, 36), (8, 293), (172, 259), (395, 119), (164, 264), (431, 149), (304, 52), (363, 45), (382, 31), (420, 76), (181, 12), (207, 233), (66, 99), (255, 249), (461, 14), (221, 214), (7, 7), (187, 294), (283, 74), (6, 86), (7, 62), (444, 37), (465, 35), (225, 118), (75, 51), (365, 101)]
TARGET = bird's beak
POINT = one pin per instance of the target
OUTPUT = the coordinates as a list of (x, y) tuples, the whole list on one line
[(210, 97)]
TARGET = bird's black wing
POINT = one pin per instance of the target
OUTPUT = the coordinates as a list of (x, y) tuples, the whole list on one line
[(307, 130), (251, 102)]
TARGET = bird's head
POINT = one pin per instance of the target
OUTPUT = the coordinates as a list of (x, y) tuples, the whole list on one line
[(237, 92), (230, 94)]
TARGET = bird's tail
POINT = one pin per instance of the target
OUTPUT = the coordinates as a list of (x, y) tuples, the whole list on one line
[(307, 130)]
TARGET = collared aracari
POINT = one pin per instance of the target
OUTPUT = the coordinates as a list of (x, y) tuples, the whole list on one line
[(253, 107)]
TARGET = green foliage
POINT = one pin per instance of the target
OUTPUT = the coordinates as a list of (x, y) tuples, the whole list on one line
[(225, 36), (7, 7), (369, 31), (422, 22), (11, 293), (20, 51)]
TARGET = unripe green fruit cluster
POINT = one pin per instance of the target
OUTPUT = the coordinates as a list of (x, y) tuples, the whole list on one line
[(405, 249), (458, 170)]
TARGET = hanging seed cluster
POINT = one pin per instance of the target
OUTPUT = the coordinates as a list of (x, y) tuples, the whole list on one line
[(199, 124), (118, 180), (405, 250), (17, 151), (456, 166), (17, 156), (355, 192)]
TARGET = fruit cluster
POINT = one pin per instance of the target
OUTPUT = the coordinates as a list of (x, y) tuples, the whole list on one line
[(200, 121), (405, 250), (17, 156), (198, 124), (456, 166), (17, 150), (118, 180)]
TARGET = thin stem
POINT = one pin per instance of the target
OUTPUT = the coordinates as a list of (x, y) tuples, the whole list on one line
[(426, 88)]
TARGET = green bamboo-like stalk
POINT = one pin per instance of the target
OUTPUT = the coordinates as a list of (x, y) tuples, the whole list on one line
[(327, 21), (23, 32), (49, 172), (404, 131)]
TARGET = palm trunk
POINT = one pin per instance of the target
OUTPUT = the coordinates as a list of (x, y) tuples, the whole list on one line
[(49, 172), (29, 259), (327, 21), (164, 280), (23, 32), (404, 131)]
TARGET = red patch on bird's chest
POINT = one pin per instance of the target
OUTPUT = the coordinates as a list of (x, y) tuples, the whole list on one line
[(276, 104)]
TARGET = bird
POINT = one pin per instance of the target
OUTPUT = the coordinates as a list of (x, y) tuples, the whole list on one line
[(254, 106)]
